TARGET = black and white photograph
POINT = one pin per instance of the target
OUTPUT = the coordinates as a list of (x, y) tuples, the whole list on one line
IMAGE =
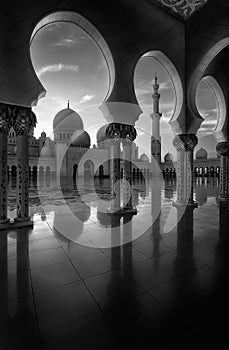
[(114, 174)]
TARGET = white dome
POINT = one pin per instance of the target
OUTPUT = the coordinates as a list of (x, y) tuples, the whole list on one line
[(168, 157), (201, 154), (67, 119)]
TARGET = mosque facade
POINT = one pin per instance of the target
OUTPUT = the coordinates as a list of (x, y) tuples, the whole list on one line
[(70, 153)]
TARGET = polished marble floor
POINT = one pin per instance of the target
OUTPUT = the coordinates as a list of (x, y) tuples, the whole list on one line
[(164, 287)]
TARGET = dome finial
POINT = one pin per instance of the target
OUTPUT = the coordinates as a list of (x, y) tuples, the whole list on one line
[(68, 104)]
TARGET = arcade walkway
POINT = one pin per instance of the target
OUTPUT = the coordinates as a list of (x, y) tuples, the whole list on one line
[(164, 290)]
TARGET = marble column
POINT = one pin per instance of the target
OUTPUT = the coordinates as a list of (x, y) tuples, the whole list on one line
[(127, 183), (115, 173), (223, 151), (185, 144), (128, 136), (24, 121), (4, 128)]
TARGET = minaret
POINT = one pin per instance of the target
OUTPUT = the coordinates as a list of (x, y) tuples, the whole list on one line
[(156, 116)]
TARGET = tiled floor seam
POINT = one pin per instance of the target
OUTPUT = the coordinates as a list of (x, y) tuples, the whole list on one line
[(35, 310)]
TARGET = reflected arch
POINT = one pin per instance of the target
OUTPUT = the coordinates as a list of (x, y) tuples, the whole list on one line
[(101, 170), (88, 168), (74, 171)]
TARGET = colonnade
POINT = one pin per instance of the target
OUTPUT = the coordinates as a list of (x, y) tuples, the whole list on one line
[(22, 119), (185, 144)]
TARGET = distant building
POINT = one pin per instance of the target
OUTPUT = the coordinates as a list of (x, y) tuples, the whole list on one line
[(70, 153)]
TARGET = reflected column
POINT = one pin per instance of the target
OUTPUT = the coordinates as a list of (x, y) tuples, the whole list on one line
[(114, 135), (184, 260), (223, 151), (4, 129), (129, 134), (25, 120), (185, 144)]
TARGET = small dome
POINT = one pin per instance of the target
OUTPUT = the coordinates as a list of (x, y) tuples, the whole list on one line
[(201, 154), (67, 119), (81, 138), (46, 151), (101, 134), (168, 157), (43, 135), (144, 158)]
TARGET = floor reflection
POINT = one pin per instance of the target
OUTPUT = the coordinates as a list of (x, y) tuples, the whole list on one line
[(165, 285)]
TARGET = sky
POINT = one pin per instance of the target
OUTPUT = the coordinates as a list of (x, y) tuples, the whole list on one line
[(71, 67)]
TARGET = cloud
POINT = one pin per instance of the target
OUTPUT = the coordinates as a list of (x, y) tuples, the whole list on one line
[(86, 98), (68, 41), (208, 113), (53, 68)]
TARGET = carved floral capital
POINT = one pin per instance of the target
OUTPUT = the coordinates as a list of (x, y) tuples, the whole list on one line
[(185, 142), (22, 119), (5, 120), (223, 149), (185, 8), (121, 131)]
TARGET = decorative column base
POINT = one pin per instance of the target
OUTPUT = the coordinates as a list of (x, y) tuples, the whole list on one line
[(4, 221), (15, 224), (223, 200), (122, 211), (21, 220)]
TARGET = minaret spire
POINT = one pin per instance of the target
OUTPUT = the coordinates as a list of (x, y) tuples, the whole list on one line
[(156, 116), (156, 96)]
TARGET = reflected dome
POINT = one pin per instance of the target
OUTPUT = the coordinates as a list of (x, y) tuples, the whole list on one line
[(81, 138), (101, 134)]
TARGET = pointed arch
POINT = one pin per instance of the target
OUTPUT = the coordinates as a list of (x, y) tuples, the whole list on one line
[(90, 29), (176, 84), (220, 106), (199, 73)]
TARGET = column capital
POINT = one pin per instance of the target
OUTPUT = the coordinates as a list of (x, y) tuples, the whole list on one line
[(122, 131), (185, 142), (223, 148), (23, 120), (5, 119)]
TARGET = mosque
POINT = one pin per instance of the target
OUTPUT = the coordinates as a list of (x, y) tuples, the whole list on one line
[(115, 266), (81, 159)]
